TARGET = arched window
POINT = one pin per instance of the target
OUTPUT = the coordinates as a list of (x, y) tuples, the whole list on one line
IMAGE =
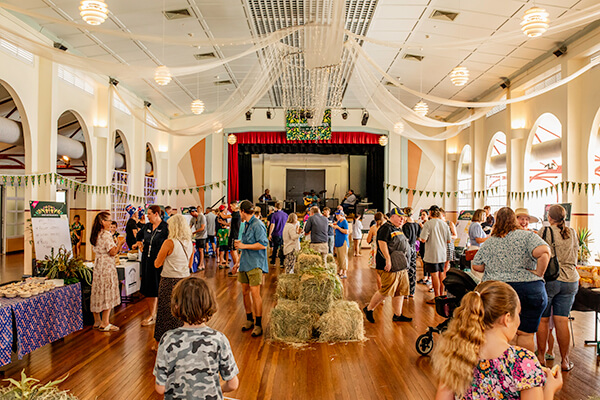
[(543, 164), (465, 180), (495, 172), (150, 176), (120, 181)]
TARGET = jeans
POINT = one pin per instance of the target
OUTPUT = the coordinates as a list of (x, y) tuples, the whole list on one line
[(277, 244), (561, 296), (330, 243)]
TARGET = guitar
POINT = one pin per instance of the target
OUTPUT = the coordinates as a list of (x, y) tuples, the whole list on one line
[(308, 200)]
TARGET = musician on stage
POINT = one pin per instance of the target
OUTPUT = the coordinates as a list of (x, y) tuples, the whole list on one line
[(266, 196), (349, 201), (311, 199)]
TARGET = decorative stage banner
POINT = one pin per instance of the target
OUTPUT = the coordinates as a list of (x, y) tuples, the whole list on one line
[(297, 127), (50, 225)]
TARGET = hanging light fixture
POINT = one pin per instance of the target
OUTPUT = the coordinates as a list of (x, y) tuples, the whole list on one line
[(459, 76), (162, 75), (383, 140), (398, 127), (535, 22), (231, 139), (197, 107), (421, 108), (94, 12)]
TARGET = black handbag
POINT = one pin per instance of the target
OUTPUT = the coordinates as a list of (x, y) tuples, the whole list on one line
[(553, 269)]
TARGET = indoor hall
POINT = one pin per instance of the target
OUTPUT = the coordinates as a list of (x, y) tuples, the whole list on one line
[(306, 160)]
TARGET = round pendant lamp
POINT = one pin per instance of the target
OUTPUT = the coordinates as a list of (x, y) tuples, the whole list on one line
[(535, 22), (162, 75), (94, 12)]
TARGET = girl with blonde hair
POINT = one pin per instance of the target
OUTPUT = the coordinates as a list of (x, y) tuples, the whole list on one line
[(475, 360), (175, 257)]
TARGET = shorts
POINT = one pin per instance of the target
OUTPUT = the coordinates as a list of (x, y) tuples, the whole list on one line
[(561, 296), (252, 277), (394, 284), (534, 300), (211, 238), (433, 267), (200, 244), (231, 243)]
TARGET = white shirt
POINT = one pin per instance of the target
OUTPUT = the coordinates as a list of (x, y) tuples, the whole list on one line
[(357, 229), (177, 264), (436, 234), (350, 199), (290, 238)]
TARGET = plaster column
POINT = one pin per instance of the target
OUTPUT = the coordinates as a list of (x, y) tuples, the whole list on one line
[(478, 154), (515, 162)]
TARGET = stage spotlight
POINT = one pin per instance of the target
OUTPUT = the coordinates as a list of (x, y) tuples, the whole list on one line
[(147, 104), (248, 115), (60, 46), (269, 114), (365, 118), (345, 114)]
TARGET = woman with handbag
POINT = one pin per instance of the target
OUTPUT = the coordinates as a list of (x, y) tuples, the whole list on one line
[(520, 259), (562, 289)]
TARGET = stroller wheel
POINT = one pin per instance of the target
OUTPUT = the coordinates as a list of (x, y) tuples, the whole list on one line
[(424, 344)]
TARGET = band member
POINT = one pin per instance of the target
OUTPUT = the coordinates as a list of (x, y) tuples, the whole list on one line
[(311, 199), (266, 196)]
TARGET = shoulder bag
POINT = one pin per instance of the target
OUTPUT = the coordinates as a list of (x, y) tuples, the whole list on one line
[(553, 269)]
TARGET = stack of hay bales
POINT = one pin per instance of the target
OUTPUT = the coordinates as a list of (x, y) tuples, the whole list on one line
[(310, 304)]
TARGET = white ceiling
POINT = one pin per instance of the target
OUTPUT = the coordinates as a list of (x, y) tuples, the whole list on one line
[(392, 20)]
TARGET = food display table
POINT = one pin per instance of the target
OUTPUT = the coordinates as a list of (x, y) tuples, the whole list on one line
[(589, 300), (128, 272), (38, 320)]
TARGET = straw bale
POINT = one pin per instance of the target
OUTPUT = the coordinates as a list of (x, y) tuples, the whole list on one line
[(319, 288), (306, 261), (288, 286), (292, 321), (343, 322)]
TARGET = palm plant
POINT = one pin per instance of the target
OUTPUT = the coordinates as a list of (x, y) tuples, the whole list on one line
[(63, 266), (584, 238), (30, 389)]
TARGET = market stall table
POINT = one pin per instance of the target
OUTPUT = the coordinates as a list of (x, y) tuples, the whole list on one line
[(39, 320), (589, 300)]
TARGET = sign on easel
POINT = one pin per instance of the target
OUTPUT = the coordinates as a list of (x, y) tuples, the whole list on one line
[(462, 228), (50, 225)]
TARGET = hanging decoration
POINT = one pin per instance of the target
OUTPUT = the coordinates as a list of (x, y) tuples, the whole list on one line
[(94, 12), (398, 128), (535, 22), (197, 107), (421, 108), (231, 139), (162, 75), (383, 140), (459, 76)]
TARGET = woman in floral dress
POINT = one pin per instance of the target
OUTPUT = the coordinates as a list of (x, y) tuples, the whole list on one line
[(105, 283)]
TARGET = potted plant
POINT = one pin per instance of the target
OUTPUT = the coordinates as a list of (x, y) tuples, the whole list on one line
[(30, 389), (584, 238)]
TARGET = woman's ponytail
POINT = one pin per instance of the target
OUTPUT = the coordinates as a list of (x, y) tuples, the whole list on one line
[(458, 353), (559, 214)]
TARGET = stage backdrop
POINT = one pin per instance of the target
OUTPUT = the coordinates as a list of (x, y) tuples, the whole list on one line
[(239, 185)]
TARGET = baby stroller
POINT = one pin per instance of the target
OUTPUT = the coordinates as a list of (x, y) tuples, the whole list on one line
[(458, 283)]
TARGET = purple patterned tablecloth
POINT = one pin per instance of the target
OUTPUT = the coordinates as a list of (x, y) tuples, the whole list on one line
[(6, 334), (43, 319)]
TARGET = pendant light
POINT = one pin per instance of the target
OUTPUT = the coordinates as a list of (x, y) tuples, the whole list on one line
[(459, 76), (197, 107), (398, 127), (94, 12), (231, 139), (535, 22), (383, 140), (162, 75), (421, 108)]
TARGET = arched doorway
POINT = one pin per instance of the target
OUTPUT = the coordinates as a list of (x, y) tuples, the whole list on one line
[(150, 175), (465, 180), (543, 164), (495, 172)]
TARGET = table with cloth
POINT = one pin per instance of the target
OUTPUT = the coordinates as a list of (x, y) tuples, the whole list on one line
[(38, 320), (588, 299)]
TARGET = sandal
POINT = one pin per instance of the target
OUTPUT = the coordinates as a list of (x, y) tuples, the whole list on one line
[(149, 321), (569, 367), (109, 328), (95, 326)]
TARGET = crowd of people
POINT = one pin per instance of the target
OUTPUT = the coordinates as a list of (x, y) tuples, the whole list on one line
[(489, 344)]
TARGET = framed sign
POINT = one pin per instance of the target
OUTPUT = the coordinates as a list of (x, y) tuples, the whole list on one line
[(50, 225)]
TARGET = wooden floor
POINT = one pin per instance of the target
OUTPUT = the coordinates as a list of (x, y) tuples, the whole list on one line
[(119, 365)]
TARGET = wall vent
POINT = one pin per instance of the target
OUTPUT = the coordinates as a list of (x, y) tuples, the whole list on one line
[(223, 82), (448, 16), (413, 57), (204, 56), (177, 14)]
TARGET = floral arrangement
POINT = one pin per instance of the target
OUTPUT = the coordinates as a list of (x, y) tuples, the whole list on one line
[(64, 266)]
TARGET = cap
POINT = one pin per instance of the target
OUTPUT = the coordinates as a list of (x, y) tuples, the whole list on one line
[(222, 207), (192, 209), (340, 212), (130, 209), (397, 211)]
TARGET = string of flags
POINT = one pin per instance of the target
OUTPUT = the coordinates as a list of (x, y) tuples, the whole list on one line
[(54, 178), (565, 187)]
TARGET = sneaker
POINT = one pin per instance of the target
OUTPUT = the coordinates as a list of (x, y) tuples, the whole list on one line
[(247, 326), (401, 318), (369, 315), (257, 331)]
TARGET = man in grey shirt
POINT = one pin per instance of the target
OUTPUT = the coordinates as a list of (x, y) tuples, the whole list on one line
[(211, 225), (317, 226), (199, 232)]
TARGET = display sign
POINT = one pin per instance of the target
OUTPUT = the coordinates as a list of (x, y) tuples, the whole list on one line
[(132, 278), (50, 226), (462, 228), (298, 128), (368, 218), (566, 206)]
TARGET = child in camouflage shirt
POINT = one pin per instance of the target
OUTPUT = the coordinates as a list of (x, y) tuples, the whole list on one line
[(189, 357)]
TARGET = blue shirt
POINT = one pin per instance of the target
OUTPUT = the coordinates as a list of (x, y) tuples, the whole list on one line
[(278, 219), (509, 259), (340, 237), (254, 231), (476, 231)]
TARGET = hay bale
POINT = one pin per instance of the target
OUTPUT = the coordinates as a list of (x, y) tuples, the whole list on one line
[(332, 268), (319, 288), (307, 261), (343, 322), (292, 321), (330, 259), (288, 286)]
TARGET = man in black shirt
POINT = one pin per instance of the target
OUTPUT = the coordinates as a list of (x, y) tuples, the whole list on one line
[(236, 221), (391, 245)]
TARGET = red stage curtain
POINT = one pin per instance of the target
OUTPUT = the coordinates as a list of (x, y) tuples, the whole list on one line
[(280, 138), (233, 179)]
